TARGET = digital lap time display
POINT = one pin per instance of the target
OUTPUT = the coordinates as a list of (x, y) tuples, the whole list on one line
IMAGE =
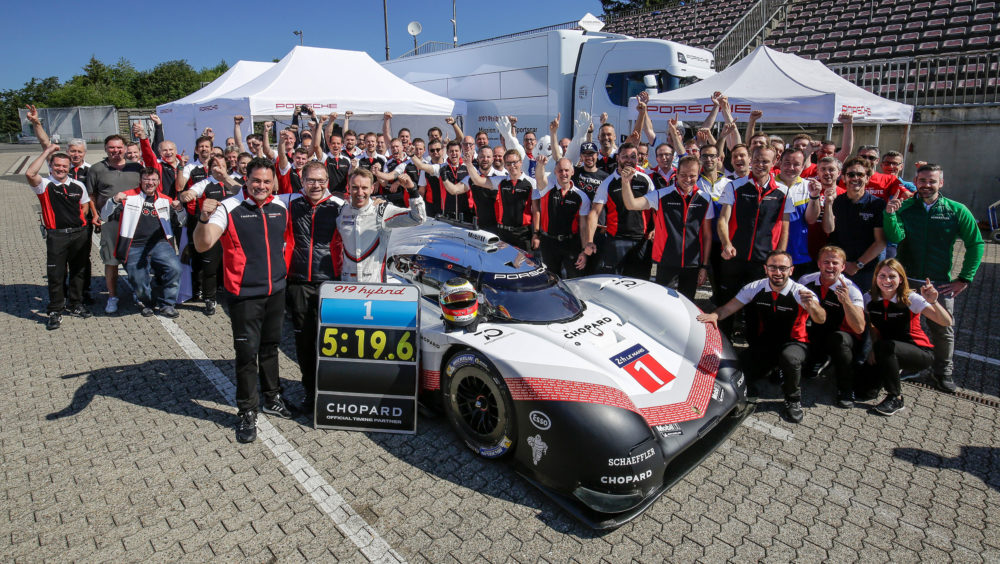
[(367, 343)]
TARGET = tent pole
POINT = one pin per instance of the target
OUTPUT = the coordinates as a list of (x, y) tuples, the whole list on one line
[(906, 145), (878, 133), (829, 131)]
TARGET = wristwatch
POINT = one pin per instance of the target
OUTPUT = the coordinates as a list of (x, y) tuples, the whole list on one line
[(860, 265)]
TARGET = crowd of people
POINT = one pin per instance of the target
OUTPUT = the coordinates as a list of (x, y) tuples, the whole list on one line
[(872, 253)]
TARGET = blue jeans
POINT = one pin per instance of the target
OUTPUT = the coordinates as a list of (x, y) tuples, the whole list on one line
[(155, 273)]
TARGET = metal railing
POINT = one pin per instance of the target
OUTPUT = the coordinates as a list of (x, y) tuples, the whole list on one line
[(427, 47), (748, 32), (435, 46), (961, 79)]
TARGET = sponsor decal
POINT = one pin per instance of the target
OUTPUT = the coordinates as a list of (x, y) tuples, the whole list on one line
[(464, 360), (626, 283), (669, 430), (293, 105), (208, 108), (640, 364), (718, 393), (632, 460), (669, 109), (588, 328), (496, 451), (518, 275), (538, 448), (367, 291), (540, 420), (582, 92), (739, 382), (430, 342), (856, 110), (629, 479), (364, 409), (490, 334)]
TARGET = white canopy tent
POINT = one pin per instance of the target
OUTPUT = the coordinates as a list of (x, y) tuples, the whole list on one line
[(331, 80), (785, 87), (180, 117)]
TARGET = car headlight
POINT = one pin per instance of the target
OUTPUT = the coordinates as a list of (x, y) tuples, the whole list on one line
[(606, 502)]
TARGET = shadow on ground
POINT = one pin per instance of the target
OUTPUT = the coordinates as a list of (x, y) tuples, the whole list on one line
[(982, 462)]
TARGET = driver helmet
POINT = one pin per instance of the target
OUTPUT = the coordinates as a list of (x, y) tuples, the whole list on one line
[(459, 302)]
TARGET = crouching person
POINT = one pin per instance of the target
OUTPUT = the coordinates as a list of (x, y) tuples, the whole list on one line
[(144, 243)]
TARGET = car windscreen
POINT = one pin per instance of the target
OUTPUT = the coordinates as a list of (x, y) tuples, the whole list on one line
[(532, 297)]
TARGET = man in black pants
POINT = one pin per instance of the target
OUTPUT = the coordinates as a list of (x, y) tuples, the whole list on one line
[(252, 225), (559, 218), (316, 258), (64, 202), (839, 336), (776, 327)]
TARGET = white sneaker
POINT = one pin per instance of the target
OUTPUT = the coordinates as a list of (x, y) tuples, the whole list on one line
[(112, 305)]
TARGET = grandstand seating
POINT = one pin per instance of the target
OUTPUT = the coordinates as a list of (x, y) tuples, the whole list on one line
[(696, 23)]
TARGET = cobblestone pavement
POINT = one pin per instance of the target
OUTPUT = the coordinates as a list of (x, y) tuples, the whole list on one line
[(117, 444)]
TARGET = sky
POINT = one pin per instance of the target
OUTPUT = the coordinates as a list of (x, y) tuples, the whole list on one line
[(60, 38)]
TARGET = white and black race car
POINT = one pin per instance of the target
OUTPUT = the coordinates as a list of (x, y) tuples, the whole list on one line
[(603, 390)]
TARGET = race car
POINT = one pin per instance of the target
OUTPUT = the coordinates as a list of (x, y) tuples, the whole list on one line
[(603, 390)]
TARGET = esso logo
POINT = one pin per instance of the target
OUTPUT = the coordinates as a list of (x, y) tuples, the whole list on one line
[(540, 420)]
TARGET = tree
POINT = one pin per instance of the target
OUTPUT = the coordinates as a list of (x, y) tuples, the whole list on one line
[(167, 81), (34, 92), (614, 7), (208, 74)]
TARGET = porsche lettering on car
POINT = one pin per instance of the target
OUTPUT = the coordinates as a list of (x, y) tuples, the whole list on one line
[(603, 390)]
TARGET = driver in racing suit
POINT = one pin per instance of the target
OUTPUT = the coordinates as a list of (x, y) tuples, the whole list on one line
[(364, 226)]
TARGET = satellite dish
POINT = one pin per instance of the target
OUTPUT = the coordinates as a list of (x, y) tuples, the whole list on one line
[(414, 28)]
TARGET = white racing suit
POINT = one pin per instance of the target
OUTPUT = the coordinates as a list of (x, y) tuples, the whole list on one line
[(365, 236)]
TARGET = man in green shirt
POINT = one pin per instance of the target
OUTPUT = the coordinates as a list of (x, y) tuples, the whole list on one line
[(926, 227)]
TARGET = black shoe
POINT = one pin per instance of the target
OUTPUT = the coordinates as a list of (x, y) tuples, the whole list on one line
[(246, 429), (845, 400), (55, 320), (890, 406), (867, 395), (945, 384), (277, 407), (146, 311), (817, 368), (79, 311), (168, 311), (209, 307), (197, 296), (793, 411)]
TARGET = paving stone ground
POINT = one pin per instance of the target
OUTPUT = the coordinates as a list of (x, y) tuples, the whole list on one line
[(116, 447)]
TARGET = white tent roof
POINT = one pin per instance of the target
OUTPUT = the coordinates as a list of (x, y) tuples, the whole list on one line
[(333, 80), (787, 88), (180, 117)]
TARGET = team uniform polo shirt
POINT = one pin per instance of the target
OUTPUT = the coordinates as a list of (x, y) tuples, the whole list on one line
[(441, 200), (589, 182), (485, 199), (662, 178), (337, 168), (608, 164), (399, 197), (62, 202), (560, 213), (896, 321), (621, 221), (79, 172), (195, 172), (289, 179), (371, 162), (777, 317), (855, 223), (836, 318), (253, 244), (798, 228), (755, 218), (512, 202), (677, 219), (713, 189), (209, 189)]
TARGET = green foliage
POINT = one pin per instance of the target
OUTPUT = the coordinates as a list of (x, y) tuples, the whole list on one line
[(119, 85), (614, 7)]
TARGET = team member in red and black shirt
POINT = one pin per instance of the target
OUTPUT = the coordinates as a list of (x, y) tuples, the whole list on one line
[(195, 171), (512, 201), (682, 226), (484, 193), (627, 230), (316, 258), (607, 160), (899, 342), (252, 226), (338, 165), (839, 336), (750, 225), (559, 219), (777, 310), (399, 163), (454, 170), (64, 202), (205, 266)]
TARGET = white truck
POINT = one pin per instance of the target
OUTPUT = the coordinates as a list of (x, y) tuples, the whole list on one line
[(536, 76)]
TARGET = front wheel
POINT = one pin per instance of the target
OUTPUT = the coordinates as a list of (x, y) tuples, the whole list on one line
[(478, 405)]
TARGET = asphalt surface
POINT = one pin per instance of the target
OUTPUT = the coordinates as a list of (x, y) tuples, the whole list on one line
[(118, 445)]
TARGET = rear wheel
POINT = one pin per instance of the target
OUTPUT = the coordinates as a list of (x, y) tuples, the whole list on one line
[(478, 405)]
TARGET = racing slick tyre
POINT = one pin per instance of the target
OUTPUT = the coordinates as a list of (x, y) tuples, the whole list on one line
[(478, 405)]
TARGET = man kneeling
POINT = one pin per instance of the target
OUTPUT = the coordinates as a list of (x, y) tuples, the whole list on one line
[(144, 243)]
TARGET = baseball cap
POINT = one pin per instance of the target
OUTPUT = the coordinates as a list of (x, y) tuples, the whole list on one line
[(588, 147)]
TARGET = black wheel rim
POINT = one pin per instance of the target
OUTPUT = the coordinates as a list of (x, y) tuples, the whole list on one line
[(477, 405)]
